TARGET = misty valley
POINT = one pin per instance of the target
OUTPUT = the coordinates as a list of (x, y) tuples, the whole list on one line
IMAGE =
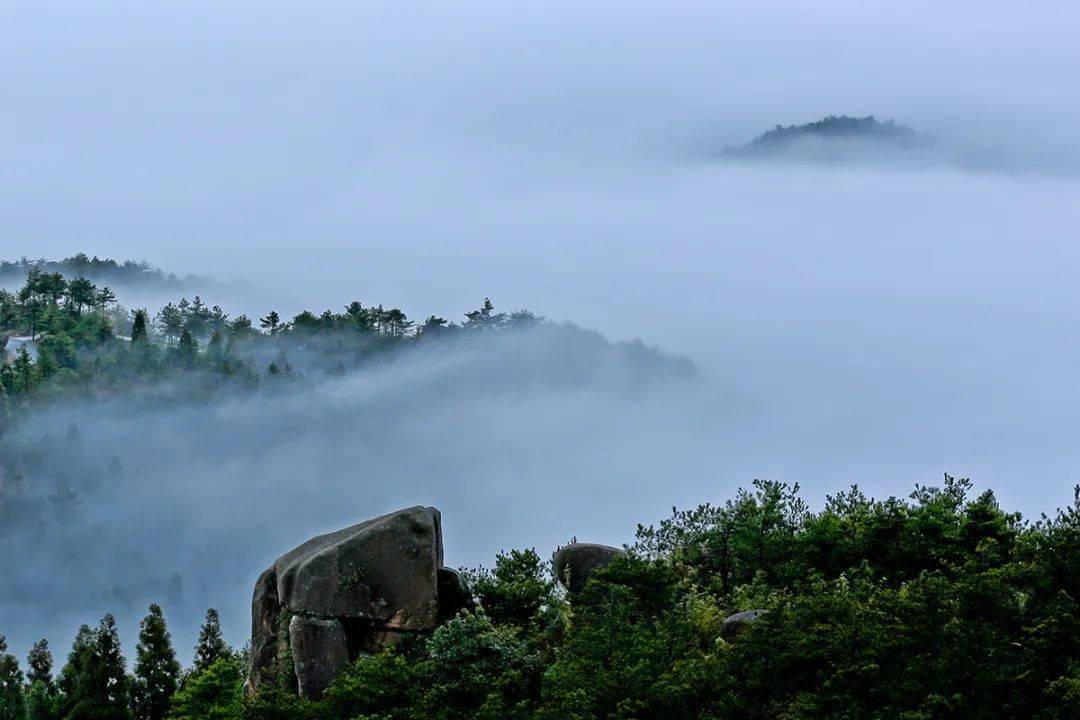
[(123, 427)]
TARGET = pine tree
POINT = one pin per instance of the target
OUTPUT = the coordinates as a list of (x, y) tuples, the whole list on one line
[(40, 660), (77, 662), (188, 348), (212, 645), (157, 672), (138, 327), (271, 322), (12, 699), (95, 682), (41, 700)]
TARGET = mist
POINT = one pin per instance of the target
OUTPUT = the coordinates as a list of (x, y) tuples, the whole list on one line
[(873, 323)]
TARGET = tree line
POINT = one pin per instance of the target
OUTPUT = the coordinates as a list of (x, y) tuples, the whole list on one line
[(127, 272), (83, 340), (95, 682), (939, 605)]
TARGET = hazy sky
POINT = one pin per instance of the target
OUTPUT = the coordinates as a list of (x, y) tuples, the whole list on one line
[(861, 324)]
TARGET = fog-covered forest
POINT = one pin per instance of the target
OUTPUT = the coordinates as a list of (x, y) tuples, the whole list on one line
[(939, 604), (539, 360)]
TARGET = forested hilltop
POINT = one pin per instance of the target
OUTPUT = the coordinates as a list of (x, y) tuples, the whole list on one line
[(832, 137), (940, 606), (130, 273), (62, 337)]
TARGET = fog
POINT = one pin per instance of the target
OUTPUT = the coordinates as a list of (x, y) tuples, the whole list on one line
[(874, 323)]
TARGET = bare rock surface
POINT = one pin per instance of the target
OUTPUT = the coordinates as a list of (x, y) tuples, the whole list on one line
[(735, 624), (320, 651), (349, 592), (575, 563)]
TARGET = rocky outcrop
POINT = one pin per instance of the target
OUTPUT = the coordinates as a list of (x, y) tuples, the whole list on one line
[(320, 650), (349, 592), (735, 624), (575, 563)]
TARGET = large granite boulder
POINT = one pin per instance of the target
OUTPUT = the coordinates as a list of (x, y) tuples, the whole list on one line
[(320, 650), (575, 563), (349, 592), (735, 624)]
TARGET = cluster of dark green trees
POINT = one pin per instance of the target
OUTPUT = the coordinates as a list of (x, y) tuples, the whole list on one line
[(84, 342), (941, 605), (95, 684), (831, 127), (103, 270)]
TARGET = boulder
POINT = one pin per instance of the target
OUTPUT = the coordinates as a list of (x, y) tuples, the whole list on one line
[(320, 651), (575, 563), (454, 594), (265, 615), (738, 622), (353, 591), (385, 570)]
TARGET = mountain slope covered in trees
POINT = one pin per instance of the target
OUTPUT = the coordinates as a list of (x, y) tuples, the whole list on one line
[(938, 605), (942, 605)]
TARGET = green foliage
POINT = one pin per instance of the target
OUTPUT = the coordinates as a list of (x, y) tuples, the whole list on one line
[(42, 702), (938, 606), (157, 672), (519, 592), (12, 696), (213, 693), (95, 682), (211, 646)]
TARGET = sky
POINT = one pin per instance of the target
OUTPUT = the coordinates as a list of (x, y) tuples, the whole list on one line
[(865, 323)]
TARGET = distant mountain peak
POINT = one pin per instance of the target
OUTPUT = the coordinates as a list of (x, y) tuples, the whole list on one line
[(823, 137)]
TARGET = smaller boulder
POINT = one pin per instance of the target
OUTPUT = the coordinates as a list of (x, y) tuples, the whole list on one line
[(738, 622), (575, 563), (320, 650), (454, 594)]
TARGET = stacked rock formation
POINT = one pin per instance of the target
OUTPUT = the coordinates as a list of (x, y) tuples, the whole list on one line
[(353, 591)]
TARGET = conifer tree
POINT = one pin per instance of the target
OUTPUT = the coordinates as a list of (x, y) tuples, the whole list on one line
[(95, 681), (39, 663), (271, 322), (157, 672), (77, 661), (12, 699), (41, 700), (138, 327), (188, 347), (212, 645)]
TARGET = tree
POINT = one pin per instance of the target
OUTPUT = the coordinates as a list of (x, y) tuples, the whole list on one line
[(214, 693), (170, 321), (22, 371), (39, 663), (104, 296), (434, 326), (188, 348), (73, 671), (485, 318), (96, 686), (81, 293), (12, 699), (41, 700), (395, 322), (157, 672), (138, 327), (518, 592), (271, 322), (212, 645), (240, 326)]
